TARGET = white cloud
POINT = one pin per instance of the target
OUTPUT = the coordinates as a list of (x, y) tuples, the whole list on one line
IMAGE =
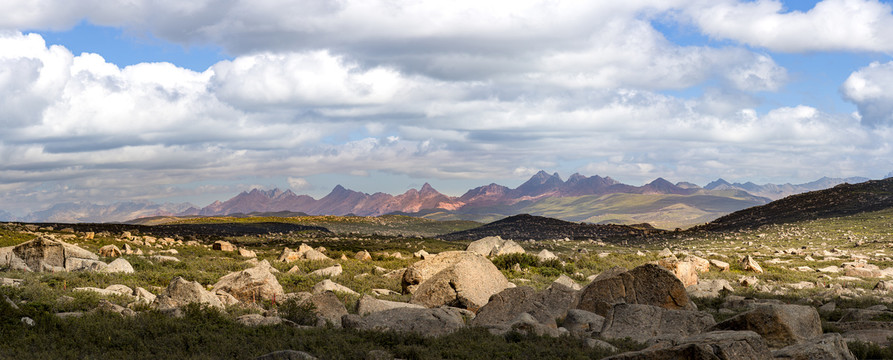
[(299, 184), (871, 89), (832, 25)]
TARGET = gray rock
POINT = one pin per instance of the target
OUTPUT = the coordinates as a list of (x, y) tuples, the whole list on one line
[(599, 344), (780, 325), (182, 292), (329, 285), (48, 254), (567, 281), (331, 271), (327, 306), (249, 285), (28, 321), (830, 346), (455, 278), (647, 284), (645, 322), (544, 306), (369, 304), (164, 258), (258, 320), (119, 265), (494, 246), (426, 322), (738, 345), (286, 355), (709, 288), (582, 322), (876, 336), (546, 255)]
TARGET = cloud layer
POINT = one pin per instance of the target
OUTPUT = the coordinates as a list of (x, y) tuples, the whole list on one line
[(428, 90)]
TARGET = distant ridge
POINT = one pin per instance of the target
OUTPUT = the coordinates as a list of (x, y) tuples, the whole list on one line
[(776, 192), (529, 227), (841, 200)]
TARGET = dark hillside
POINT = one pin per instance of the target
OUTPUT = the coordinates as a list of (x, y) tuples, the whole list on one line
[(524, 227), (841, 200)]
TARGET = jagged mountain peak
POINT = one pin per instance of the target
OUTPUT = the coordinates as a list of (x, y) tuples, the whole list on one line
[(717, 183)]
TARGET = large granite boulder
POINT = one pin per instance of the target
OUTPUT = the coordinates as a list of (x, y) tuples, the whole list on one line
[(545, 306), (427, 322), (251, 284), (119, 265), (182, 292), (454, 278), (47, 254), (686, 271), (648, 284), (718, 345), (326, 306), (644, 322), (780, 325)]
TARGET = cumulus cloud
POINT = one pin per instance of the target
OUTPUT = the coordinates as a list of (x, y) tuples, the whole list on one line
[(871, 89), (832, 25)]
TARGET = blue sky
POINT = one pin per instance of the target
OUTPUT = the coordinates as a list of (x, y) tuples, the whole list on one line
[(197, 101)]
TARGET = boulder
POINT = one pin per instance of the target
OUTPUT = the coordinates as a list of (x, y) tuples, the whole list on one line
[(369, 304), (738, 345), (143, 296), (884, 285), (164, 258), (700, 264), (686, 271), (363, 256), (494, 246), (110, 251), (646, 284), (331, 271), (880, 337), (47, 254), (644, 322), (314, 254), (709, 288), (250, 285), (243, 252), (829, 346), (545, 306), (749, 264), (582, 322), (567, 281), (455, 278), (719, 264), (546, 255), (780, 325), (666, 253), (221, 245), (326, 305), (329, 285), (304, 252), (119, 265), (182, 292), (421, 254), (426, 322)]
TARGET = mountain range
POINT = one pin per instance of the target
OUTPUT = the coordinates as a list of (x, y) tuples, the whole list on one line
[(579, 198)]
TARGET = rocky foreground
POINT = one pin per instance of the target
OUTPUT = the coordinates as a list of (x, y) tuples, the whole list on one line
[(651, 303)]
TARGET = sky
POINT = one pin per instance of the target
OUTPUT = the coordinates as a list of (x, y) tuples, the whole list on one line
[(170, 101)]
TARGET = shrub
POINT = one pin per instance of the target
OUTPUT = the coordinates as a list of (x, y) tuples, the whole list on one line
[(506, 262), (300, 313)]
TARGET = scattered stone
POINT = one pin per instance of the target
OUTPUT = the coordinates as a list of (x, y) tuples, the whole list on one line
[(329, 285), (384, 292), (363, 256), (47, 254), (545, 306), (182, 292), (89, 235), (251, 284), (749, 264), (709, 288), (110, 251), (646, 284), (582, 322), (119, 265), (11, 282), (599, 344), (455, 278), (666, 253), (780, 325), (546, 255), (721, 265), (748, 281), (28, 321), (258, 320), (243, 252), (421, 254), (684, 270), (884, 285), (327, 307), (221, 245), (701, 265), (494, 246), (164, 258), (331, 271), (567, 281)]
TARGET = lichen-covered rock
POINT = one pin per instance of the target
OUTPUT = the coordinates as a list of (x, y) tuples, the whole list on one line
[(644, 322), (738, 345), (47, 254), (749, 264), (426, 322), (545, 306), (494, 246), (369, 304), (119, 265), (647, 284), (686, 271), (829, 346)]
